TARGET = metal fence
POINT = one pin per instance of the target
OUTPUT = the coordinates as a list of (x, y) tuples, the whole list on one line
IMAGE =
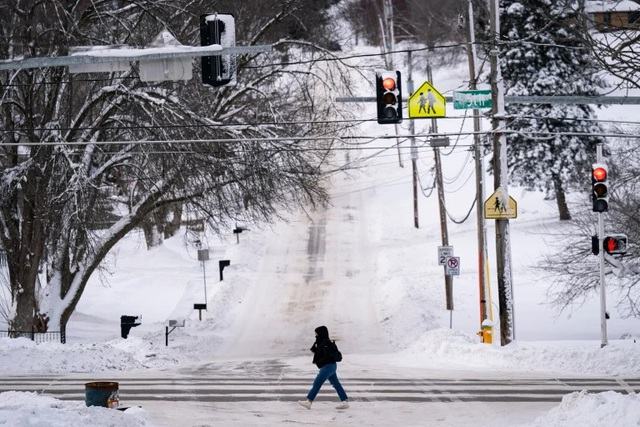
[(38, 337)]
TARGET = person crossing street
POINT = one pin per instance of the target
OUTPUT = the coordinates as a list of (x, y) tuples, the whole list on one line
[(325, 356)]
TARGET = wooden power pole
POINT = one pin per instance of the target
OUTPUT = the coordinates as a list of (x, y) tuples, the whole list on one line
[(448, 280), (501, 178), (485, 310)]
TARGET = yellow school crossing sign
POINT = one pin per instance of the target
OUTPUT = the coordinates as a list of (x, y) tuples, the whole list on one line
[(427, 102), (497, 206)]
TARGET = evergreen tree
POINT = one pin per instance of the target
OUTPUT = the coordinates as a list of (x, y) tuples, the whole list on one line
[(542, 56)]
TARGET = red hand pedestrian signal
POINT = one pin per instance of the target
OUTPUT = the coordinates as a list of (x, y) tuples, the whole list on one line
[(615, 244)]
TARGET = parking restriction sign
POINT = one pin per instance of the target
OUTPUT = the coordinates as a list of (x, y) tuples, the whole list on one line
[(452, 266), (444, 252)]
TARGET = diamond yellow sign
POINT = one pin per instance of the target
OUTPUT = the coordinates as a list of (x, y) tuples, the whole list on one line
[(497, 207), (427, 102)]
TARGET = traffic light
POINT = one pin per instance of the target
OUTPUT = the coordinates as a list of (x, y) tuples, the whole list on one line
[(389, 97), (219, 29), (600, 197), (615, 244)]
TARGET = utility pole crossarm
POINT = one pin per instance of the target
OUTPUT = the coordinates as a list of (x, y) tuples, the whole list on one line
[(129, 54)]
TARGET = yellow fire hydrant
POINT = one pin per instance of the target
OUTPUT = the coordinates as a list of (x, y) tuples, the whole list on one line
[(487, 331)]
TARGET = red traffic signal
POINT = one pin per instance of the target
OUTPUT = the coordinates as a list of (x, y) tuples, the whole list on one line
[(599, 173), (599, 190), (389, 83), (389, 97)]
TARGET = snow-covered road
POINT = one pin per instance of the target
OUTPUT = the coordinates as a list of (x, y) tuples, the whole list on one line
[(319, 271), (216, 393)]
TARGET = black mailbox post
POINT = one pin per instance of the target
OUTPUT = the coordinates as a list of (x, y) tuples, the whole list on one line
[(221, 265), (200, 307), (237, 232), (126, 323)]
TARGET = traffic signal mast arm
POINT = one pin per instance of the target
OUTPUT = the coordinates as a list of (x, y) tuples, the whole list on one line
[(130, 54)]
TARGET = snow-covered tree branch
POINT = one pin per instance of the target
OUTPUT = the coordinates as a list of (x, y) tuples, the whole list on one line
[(84, 159)]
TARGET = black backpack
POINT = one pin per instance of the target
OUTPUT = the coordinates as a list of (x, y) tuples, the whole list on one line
[(335, 353)]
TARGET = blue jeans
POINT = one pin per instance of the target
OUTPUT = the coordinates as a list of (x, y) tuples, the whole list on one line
[(327, 372)]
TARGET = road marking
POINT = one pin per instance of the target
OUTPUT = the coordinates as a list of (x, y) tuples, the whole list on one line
[(281, 388)]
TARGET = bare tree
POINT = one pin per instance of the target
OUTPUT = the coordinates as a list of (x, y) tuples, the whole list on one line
[(574, 269), (77, 152), (613, 45)]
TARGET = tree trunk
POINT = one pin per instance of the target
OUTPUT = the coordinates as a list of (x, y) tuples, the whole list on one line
[(563, 209), (173, 223), (24, 253), (162, 224), (153, 233)]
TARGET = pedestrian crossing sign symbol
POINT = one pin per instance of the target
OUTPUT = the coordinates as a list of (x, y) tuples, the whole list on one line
[(498, 207), (427, 102)]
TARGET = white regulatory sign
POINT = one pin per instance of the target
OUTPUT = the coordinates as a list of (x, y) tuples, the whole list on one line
[(452, 266), (444, 252)]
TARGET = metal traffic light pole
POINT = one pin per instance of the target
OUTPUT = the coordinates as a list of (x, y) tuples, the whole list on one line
[(603, 297), (414, 150)]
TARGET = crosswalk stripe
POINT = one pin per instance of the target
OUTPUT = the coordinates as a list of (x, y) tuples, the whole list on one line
[(237, 389)]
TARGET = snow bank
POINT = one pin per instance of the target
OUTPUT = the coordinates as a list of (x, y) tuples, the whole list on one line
[(20, 355), (30, 409), (593, 410), (451, 348)]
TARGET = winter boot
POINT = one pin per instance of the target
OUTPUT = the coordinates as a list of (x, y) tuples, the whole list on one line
[(305, 403), (343, 405)]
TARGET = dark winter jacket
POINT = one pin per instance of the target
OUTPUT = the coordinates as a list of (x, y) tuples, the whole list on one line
[(324, 350)]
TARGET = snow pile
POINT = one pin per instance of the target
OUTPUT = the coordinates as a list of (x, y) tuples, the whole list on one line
[(593, 410), (21, 355), (451, 348), (30, 409)]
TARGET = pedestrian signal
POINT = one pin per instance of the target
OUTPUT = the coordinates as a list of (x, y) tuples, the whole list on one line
[(595, 245), (599, 190), (615, 244), (389, 97)]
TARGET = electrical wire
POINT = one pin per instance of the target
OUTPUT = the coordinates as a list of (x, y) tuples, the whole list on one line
[(309, 122), (461, 185), (422, 189), (475, 199)]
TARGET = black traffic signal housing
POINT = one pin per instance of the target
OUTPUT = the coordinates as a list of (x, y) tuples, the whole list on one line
[(389, 97), (616, 244), (217, 29), (595, 245), (599, 187)]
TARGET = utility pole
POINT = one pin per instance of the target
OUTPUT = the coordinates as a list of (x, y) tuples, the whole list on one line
[(414, 151), (501, 180), (484, 293), (448, 280)]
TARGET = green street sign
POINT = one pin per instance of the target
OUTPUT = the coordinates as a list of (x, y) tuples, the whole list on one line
[(472, 99)]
